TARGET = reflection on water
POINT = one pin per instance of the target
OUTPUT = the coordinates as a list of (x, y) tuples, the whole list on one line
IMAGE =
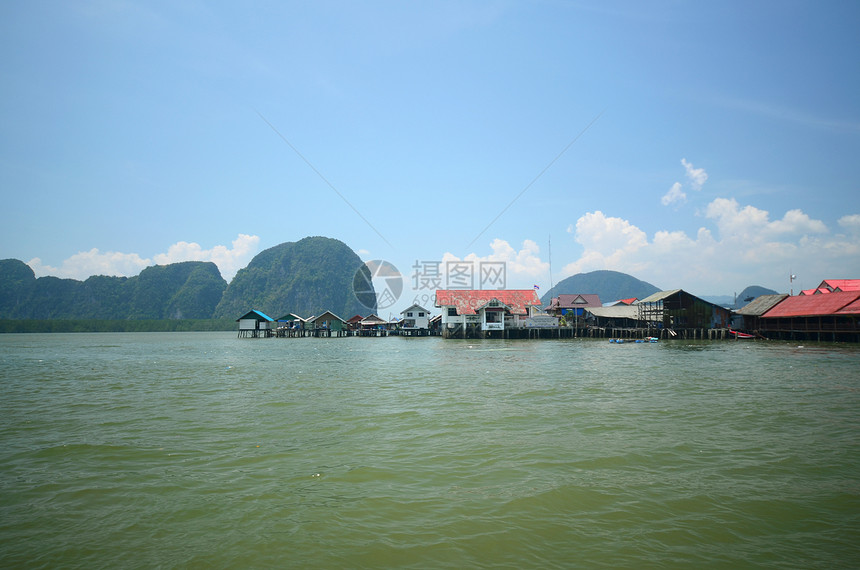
[(204, 450)]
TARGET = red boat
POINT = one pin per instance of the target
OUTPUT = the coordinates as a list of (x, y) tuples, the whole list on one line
[(741, 335)]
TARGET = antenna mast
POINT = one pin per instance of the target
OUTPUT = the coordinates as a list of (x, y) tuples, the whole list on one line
[(550, 262)]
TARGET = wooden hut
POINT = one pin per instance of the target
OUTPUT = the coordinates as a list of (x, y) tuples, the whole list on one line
[(328, 324), (677, 310), (255, 324), (290, 325)]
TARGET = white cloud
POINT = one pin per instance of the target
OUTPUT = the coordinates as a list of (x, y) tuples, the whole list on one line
[(229, 261), (745, 248), (696, 176), (523, 267), (850, 222), (94, 262), (675, 194), (751, 223)]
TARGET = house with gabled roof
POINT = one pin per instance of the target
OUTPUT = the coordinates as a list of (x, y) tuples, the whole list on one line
[(414, 318), (573, 304), (255, 323), (751, 312), (677, 309), (354, 322), (834, 286), (289, 324), (327, 323), (373, 325), (832, 316), (482, 313)]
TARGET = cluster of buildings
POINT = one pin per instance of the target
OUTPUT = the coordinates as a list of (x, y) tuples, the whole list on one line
[(830, 311), (415, 321)]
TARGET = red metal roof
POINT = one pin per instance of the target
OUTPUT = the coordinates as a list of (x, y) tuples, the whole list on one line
[(841, 284), (467, 301), (813, 305), (850, 308), (629, 301), (819, 291)]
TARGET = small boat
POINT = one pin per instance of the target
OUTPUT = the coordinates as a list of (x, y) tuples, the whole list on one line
[(741, 335)]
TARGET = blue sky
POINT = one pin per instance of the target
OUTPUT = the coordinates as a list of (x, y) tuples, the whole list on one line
[(714, 145)]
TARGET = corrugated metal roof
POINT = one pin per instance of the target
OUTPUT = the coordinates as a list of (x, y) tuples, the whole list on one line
[(615, 312), (417, 307), (371, 320), (575, 301), (842, 284), (290, 317), (468, 301), (812, 305), (658, 296), (761, 304), (326, 317), (255, 314), (850, 308)]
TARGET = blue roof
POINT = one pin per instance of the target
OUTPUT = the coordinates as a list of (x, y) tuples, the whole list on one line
[(255, 314)]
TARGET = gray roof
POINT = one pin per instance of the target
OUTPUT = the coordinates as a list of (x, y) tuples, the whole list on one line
[(658, 296), (761, 304), (615, 312)]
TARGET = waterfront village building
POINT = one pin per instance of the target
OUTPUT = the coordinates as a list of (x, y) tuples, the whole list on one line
[(373, 322), (487, 313), (291, 321), (328, 321), (415, 317), (255, 323), (834, 286), (574, 305), (354, 322)]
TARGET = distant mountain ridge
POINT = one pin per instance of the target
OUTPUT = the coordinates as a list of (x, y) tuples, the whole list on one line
[(187, 290), (608, 285), (744, 297), (305, 277)]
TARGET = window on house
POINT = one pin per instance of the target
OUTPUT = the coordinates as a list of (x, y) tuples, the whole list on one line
[(452, 311), (420, 314), (409, 314)]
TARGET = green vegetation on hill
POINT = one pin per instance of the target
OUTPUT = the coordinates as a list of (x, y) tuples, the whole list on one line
[(306, 277), (608, 285), (188, 290)]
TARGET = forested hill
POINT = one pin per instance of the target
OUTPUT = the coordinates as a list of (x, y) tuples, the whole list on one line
[(306, 277), (188, 290), (608, 285)]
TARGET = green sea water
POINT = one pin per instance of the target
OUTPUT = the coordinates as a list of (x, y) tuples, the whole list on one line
[(201, 450)]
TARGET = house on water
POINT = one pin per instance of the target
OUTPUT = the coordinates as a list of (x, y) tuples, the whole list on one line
[(486, 313), (373, 325), (255, 324), (415, 321), (572, 308), (290, 325), (833, 316), (327, 324), (680, 312)]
